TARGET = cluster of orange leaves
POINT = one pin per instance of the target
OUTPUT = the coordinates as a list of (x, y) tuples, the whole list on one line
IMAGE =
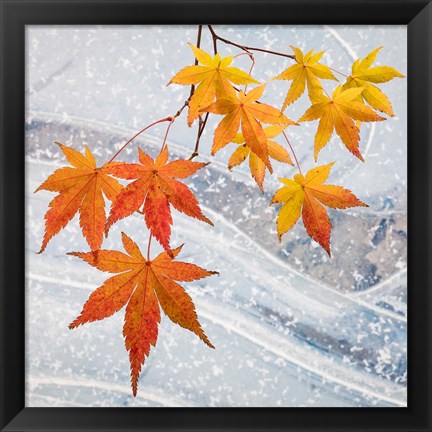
[(144, 285)]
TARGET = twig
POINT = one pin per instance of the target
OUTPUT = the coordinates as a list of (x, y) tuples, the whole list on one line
[(186, 103), (201, 127), (198, 44), (216, 37)]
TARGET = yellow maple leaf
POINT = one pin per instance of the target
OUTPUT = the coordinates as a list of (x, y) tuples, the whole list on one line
[(362, 75), (256, 165), (339, 113), (307, 195), (307, 70), (214, 79)]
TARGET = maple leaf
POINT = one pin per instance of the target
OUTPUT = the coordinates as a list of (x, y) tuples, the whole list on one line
[(339, 113), (307, 70), (362, 75), (256, 165), (214, 79), (142, 285), (80, 189), (154, 189), (306, 195), (242, 108)]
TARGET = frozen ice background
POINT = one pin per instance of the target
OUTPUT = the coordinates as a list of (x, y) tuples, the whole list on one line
[(291, 327)]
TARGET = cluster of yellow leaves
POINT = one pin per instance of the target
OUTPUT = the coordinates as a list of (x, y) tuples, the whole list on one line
[(241, 111), (343, 112), (351, 103)]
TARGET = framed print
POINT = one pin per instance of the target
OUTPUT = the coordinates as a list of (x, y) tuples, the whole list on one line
[(205, 226)]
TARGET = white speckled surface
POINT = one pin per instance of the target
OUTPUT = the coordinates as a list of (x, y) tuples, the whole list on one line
[(291, 328)]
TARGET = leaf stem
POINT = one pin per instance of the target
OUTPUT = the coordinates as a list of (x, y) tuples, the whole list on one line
[(170, 119), (335, 70), (293, 152), (166, 134), (251, 68), (148, 247), (241, 54), (245, 48), (326, 93), (139, 133)]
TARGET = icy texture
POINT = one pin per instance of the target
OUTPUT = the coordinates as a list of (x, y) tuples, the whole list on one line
[(290, 326)]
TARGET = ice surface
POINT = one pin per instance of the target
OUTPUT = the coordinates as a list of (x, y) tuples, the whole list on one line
[(290, 326)]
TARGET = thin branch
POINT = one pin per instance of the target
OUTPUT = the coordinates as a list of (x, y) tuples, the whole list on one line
[(200, 123), (216, 37), (201, 127), (198, 44), (186, 103), (293, 152)]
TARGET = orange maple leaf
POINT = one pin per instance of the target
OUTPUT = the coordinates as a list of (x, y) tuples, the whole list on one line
[(339, 113), (304, 194), (143, 285), (214, 79), (154, 189), (256, 165), (80, 189), (243, 108)]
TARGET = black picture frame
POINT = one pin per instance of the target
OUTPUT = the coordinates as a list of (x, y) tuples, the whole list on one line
[(15, 15)]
